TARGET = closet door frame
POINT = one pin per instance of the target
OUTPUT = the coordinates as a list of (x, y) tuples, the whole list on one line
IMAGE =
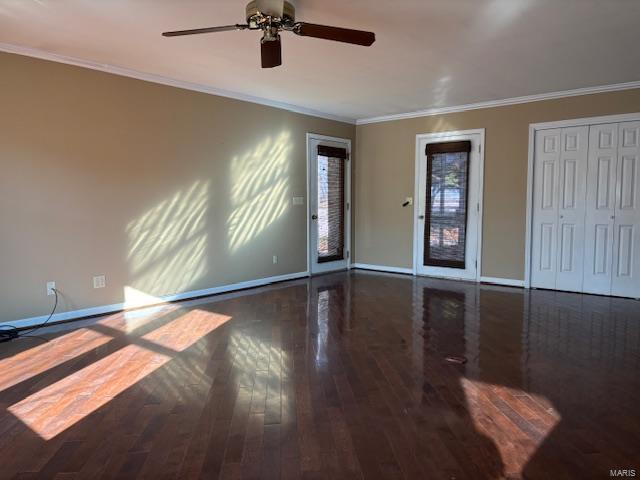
[(533, 129)]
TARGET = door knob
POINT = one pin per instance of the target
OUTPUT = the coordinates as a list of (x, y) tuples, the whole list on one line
[(420, 217), (314, 217)]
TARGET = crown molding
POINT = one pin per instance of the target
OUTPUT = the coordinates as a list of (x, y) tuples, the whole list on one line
[(196, 87), (502, 103), (171, 82)]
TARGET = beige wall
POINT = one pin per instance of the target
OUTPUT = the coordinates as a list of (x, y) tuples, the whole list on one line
[(162, 190), (385, 176)]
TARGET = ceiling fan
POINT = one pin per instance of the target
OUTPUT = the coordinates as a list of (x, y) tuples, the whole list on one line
[(274, 16)]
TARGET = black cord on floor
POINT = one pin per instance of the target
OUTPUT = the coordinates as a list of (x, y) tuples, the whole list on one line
[(10, 332)]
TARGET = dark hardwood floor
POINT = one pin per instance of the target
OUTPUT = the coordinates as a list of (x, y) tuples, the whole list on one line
[(341, 376)]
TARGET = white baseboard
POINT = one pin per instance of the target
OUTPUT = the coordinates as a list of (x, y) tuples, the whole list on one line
[(408, 271), (119, 307), (508, 282), (382, 268)]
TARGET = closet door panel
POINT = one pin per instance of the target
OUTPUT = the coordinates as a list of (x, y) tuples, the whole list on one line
[(626, 243), (545, 212), (572, 191), (600, 208)]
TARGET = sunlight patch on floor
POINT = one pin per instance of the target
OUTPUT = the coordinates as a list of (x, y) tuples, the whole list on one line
[(67, 346), (134, 298), (29, 363), (185, 330), (491, 408), (88, 389)]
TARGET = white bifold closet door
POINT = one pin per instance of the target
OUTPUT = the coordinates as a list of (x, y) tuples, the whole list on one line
[(586, 226), (612, 263), (560, 178), (626, 233), (601, 207)]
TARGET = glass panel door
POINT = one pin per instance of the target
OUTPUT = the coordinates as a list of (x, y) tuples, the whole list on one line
[(449, 186)]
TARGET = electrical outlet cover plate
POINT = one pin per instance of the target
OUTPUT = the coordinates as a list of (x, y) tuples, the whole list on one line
[(50, 287), (99, 281)]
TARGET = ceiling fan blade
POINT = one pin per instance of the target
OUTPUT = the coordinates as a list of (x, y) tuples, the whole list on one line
[(345, 35), (196, 31), (271, 53), (275, 8)]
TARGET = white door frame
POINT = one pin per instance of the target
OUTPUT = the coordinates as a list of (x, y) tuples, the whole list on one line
[(443, 137), (347, 195), (533, 128)]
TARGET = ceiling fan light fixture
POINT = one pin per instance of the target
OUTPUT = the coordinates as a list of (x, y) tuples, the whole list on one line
[(271, 52)]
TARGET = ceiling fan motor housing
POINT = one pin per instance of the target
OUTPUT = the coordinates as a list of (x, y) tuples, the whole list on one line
[(255, 17)]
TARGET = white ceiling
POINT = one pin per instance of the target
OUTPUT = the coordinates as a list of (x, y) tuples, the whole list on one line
[(428, 54)]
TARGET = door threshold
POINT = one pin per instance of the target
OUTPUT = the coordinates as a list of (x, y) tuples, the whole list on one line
[(318, 274), (455, 279)]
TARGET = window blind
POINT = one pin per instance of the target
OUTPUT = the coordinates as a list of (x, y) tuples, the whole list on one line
[(332, 152), (447, 190)]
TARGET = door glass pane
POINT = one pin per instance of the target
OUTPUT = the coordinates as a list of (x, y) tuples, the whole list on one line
[(446, 219), (330, 208)]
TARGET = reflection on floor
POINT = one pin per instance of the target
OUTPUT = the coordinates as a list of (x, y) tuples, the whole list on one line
[(341, 376)]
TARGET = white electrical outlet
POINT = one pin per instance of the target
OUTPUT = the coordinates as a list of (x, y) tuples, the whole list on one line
[(408, 201), (275, 259), (50, 287), (99, 281)]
